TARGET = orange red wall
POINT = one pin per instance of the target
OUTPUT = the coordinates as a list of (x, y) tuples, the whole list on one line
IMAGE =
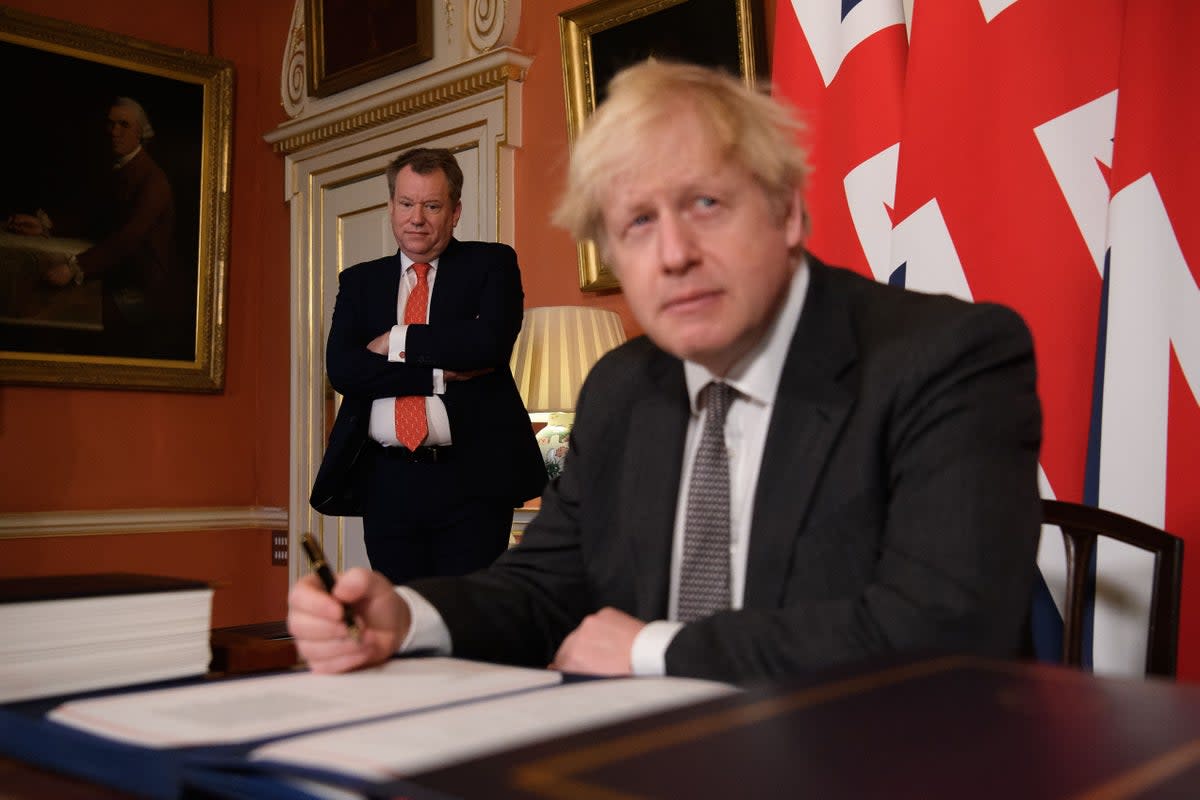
[(81, 450), (549, 262)]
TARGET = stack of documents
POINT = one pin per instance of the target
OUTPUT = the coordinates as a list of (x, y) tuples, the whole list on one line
[(72, 633)]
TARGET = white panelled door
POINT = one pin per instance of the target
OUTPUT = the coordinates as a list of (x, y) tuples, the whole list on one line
[(338, 196), (354, 227)]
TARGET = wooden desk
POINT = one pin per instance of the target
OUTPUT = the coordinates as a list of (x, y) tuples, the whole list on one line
[(940, 729), (21, 781), (936, 729), (243, 649), (27, 300)]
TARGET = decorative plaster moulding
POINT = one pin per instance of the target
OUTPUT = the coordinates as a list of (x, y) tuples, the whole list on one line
[(493, 70), (471, 56), (40, 524)]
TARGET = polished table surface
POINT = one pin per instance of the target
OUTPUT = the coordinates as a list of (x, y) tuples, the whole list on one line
[(20, 781), (28, 300), (938, 727)]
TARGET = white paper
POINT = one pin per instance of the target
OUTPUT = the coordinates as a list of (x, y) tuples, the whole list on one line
[(402, 746), (254, 708)]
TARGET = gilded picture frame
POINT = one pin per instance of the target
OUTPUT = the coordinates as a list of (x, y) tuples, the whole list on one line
[(349, 42), (138, 237), (602, 37)]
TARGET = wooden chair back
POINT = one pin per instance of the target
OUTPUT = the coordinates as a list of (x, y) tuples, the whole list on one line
[(1081, 526)]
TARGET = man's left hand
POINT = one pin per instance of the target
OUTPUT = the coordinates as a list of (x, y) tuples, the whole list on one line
[(26, 225), (601, 645), (379, 344), (59, 274), (465, 374)]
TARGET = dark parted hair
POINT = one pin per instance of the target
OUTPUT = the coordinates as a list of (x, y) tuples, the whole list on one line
[(423, 161)]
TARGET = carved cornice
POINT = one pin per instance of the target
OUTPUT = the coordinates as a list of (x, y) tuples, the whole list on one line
[(293, 89), (439, 95), (492, 23)]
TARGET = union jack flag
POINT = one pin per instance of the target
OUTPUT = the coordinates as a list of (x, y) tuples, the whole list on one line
[(1041, 154), (843, 64)]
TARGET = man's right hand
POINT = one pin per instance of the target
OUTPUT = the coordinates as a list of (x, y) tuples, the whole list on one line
[(25, 224), (316, 623)]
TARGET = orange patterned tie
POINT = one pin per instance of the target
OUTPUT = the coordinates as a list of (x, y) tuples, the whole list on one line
[(411, 423)]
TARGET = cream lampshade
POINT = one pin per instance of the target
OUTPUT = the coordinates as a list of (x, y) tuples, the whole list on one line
[(555, 350)]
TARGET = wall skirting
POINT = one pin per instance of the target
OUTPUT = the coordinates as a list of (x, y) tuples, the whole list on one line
[(40, 524)]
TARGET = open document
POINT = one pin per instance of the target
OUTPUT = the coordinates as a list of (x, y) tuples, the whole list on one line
[(402, 746), (231, 711)]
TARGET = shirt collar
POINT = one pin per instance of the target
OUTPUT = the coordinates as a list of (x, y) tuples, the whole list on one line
[(756, 375), (406, 262), (123, 160)]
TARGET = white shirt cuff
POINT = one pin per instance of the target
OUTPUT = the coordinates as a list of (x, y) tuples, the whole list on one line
[(427, 631), (649, 655), (439, 381), (396, 341)]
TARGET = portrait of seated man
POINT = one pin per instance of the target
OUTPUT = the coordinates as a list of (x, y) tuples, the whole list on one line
[(125, 225)]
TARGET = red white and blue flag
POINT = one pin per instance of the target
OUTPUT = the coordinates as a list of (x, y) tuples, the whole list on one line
[(1145, 449), (843, 64), (1041, 154)]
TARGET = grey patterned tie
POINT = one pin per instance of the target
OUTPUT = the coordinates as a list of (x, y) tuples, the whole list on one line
[(704, 577)]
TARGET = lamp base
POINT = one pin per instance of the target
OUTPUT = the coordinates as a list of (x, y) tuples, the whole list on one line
[(554, 440)]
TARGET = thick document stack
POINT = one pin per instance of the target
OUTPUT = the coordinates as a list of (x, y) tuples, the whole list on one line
[(72, 633)]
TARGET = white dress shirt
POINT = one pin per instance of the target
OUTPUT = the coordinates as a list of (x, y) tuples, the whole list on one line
[(756, 377), (383, 420)]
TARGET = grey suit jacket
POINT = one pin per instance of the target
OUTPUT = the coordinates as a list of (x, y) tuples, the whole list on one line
[(897, 504)]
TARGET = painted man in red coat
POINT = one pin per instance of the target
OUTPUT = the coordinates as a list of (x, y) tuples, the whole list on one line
[(131, 218)]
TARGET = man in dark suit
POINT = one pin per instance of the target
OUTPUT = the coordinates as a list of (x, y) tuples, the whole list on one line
[(796, 467), (432, 444)]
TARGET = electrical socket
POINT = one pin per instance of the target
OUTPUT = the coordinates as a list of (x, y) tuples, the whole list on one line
[(279, 548)]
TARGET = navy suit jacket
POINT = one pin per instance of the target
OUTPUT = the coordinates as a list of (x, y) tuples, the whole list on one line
[(474, 318), (896, 508)]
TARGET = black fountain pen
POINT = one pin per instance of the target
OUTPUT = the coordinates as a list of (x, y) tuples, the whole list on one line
[(316, 560)]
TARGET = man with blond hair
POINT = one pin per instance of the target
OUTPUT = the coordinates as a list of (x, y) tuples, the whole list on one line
[(795, 467)]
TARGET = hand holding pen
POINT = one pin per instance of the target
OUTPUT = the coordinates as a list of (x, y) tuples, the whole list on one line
[(316, 560)]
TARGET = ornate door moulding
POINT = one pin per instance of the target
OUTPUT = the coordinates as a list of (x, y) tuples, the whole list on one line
[(488, 25)]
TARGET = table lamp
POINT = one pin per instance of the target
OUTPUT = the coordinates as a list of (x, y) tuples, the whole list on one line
[(554, 351)]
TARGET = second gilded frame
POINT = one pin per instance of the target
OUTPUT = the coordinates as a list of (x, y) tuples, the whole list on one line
[(350, 42), (114, 215), (602, 37)]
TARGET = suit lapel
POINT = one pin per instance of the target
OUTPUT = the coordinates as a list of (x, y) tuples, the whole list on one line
[(810, 408), (445, 284), (650, 484), (384, 294)]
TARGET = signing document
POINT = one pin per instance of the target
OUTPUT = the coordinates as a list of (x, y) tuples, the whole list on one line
[(242, 710), (400, 747)]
